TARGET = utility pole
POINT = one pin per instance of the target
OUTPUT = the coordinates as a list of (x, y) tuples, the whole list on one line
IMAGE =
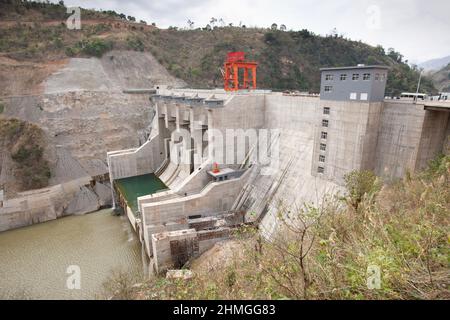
[(418, 87)]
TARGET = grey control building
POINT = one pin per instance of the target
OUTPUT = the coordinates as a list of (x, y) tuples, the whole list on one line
[(360, 83), (357, 129)]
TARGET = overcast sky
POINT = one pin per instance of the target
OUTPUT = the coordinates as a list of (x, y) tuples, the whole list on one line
[(419, 29)]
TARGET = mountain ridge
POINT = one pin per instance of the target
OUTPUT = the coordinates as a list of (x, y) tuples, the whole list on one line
[(435, 64), (441, 79), (288, 60)]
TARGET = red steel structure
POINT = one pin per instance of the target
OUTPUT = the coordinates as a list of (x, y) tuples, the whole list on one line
[(236, 61)]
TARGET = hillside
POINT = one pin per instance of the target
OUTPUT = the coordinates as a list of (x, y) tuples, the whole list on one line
[(435, 64), (441, 79), (287, 59)]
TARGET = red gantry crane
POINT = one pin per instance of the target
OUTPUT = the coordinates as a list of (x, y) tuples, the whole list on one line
[(235, 62)]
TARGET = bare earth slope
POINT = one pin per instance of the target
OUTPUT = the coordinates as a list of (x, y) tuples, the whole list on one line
[(80, 107)]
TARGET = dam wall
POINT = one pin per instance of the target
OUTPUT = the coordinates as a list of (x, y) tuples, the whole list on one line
[(216, 197), (409, 136), (79, 196), (135, 162), (291, 182), (433, 138), (398, 139)]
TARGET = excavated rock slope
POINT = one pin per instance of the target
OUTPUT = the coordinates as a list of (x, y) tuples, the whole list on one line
[(84, 113)]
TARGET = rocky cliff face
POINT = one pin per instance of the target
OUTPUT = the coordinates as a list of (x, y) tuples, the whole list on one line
[(83, 113)]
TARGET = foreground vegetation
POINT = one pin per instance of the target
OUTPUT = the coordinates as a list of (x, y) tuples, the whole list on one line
[(288, 60), (401, 229)]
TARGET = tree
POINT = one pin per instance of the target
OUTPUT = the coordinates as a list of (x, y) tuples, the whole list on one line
[(274, 26), (190, 23), (380, 50), (396, 56), (283, 27), (213, 22)]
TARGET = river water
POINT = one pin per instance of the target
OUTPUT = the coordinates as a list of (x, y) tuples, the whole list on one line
[(34, 260)]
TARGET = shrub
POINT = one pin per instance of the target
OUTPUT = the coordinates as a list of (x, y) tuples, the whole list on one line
[(359, 184), (438, 166), (10, 128), (95, 47), (27, 154), (31, 168), (58, 43), (120, 285), (135, 43), (270, 38), (71, 52)]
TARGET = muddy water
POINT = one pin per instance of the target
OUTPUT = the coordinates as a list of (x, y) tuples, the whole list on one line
[(34, 261)]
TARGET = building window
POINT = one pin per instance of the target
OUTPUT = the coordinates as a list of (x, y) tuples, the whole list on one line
[(324, 123), (383, 76), (323, 147), (326, 110), (366, 76), (329, 77), (377, 76), (353, 96), (323, 135), (321, 158), (343, 77), (320, 169), (355, 76), (364, 96), (328, 88)]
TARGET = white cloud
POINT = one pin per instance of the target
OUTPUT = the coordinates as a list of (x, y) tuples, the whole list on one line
[(419, 30)]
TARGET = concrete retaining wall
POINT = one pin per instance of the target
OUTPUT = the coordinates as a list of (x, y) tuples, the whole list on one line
[(134, 162), (398, 139), (74, 197)]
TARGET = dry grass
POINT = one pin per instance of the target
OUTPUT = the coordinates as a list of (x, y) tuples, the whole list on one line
[(403, 229)]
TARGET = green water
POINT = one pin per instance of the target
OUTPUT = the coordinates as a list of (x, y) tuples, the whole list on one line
[(34, 259), (138, 186)]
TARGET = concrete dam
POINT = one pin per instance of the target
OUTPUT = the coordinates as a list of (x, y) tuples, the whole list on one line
[(214, 160)]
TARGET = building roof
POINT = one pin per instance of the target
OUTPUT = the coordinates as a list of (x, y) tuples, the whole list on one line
[(222, 172), (355, 68)]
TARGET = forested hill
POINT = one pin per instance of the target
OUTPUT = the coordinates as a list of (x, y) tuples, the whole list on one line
[(287, 59)]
